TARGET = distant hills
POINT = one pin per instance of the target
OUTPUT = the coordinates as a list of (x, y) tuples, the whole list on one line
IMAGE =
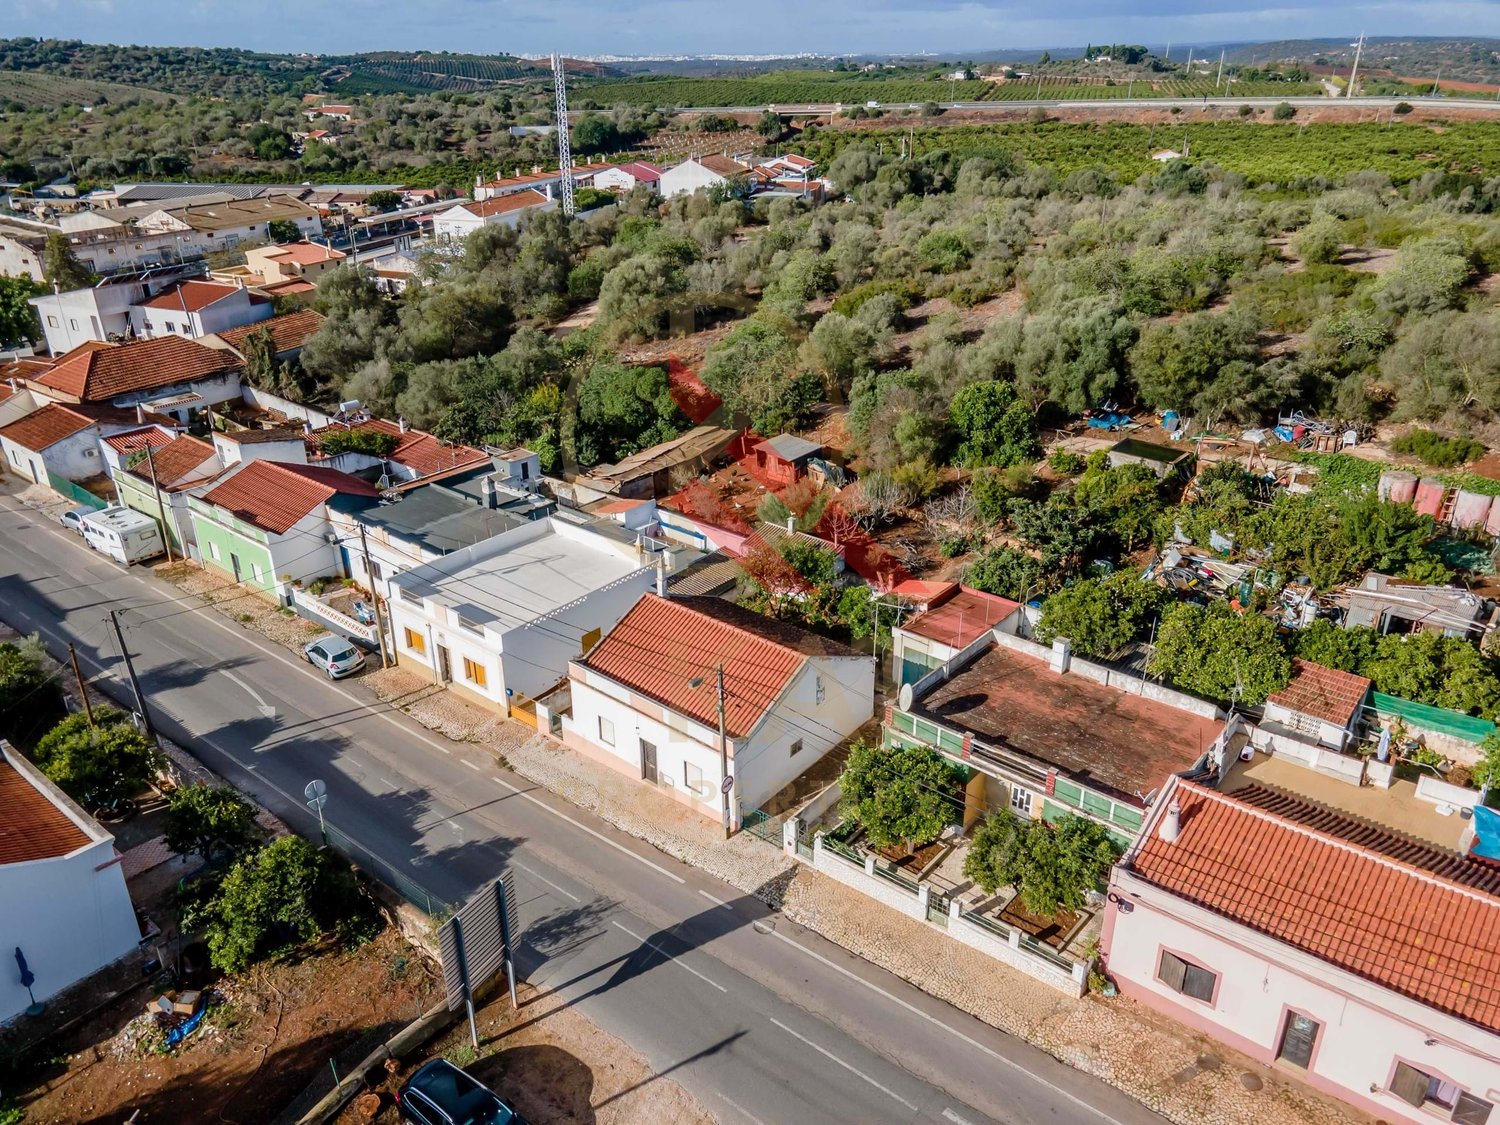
[(1456, 59)]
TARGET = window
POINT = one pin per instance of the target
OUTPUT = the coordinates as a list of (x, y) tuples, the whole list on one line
[(796, 748), (51, 321), (1020, 800), (1186, 978), (606, 731), (415, 641), (213, 551), (255, 571), (820, 693), (692, 777), (1426, 1091), (525, 470), (374, 569), (474, 673), (73, 324), (1297, 1039)]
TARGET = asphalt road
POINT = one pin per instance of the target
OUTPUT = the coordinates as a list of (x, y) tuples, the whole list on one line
[(761, 1020)]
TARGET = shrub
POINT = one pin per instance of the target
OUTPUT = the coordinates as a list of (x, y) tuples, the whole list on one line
[(1284, 111), (1247, 111), (1052, 866), (97, 766), (1403, 108), (1004, 571), (847, 304), (205, 819), (1065, 462), (374, 443), (1436, 450)]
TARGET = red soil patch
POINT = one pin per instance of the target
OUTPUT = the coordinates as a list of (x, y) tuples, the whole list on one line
[(691, 394)]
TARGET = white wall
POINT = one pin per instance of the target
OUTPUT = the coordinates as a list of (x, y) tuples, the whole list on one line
[(69, 319), (70, 916), (304, 552), (76, 457), (24, 461), (687, 177), (536, 655), (1366, 1028), (293, 411), (18, 405)]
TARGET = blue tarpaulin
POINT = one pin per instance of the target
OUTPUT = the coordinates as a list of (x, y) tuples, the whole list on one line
[(1486, 833), (182, 1031)]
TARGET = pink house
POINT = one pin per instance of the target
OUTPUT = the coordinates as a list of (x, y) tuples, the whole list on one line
[(1363, 960)]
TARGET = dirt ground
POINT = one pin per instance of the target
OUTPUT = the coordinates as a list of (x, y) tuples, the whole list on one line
[(555, 1067), (277, 1028)]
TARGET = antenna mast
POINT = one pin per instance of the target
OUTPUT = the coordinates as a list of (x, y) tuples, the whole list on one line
[(1353, 74), (564, 147)]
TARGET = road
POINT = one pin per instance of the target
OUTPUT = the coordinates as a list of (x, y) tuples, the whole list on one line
[(761, 1020)]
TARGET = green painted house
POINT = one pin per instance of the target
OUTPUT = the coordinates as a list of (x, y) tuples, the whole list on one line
[(183, 467), (266, 524)]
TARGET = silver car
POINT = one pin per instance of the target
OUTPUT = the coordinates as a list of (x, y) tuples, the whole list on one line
[(72, 519), (336, 656)]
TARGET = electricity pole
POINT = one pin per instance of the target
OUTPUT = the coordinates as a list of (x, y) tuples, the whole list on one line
[(364, 546), (1354, 73), (83, 688), (135, 684), (166, 536), (728, 782)]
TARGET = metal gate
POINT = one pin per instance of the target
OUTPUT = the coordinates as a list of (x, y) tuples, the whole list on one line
[(764, 825), (937, 907)]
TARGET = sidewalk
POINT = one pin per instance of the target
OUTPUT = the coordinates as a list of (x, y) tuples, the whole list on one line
[(1188, 1078)]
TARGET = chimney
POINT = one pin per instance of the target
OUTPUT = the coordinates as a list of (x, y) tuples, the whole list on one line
[(307, 427), (140, 414), (400, 421), (791, 523), (487, 490), (479, 181), (1062, 655), (661, 576), (1171, 824)]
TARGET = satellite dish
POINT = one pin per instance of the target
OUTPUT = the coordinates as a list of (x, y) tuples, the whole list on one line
[(316, 794), (903, 697)]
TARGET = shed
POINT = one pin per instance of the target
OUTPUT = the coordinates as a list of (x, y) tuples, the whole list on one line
[(785, 458)]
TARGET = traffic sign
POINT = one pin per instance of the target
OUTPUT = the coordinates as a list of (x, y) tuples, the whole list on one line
[(728, 783), (316, 794)]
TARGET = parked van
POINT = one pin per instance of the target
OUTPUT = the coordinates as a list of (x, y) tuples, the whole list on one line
[(124, 535)]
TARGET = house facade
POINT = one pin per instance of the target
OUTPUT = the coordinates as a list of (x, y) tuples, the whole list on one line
[(499, 621), (623, 177), (182, 468), (168, 375), (193, 309), (61, 441), (954, 626), (699, 173), (457, 223), (1318, 944), (1318, 707), (645, 701), (69, 912), (290, 261)]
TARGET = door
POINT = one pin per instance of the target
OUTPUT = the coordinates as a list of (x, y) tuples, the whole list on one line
[(234, 562), (1297, 1039), (648, 761), (445, 664)]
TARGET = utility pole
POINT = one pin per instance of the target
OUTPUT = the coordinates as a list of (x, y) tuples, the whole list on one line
[(1354, 73), (364, 546), (1219, 80), (135, 684), (161, 508), (83, 690), (727, 783)]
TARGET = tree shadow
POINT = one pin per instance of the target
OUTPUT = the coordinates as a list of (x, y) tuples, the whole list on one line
[(543, 1082)]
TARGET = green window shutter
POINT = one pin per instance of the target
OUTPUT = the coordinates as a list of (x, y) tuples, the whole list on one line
[(1067, 792), (1096, 805), (1126, 817), (951, 742)]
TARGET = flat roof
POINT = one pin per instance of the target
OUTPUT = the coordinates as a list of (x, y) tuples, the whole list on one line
[(438, 519), (524, 574), (1111, 740)]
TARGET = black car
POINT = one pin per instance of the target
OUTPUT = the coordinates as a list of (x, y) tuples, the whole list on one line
[(441, 1094)]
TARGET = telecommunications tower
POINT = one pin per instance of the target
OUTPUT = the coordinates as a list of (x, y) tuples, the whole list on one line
[(564, 148)]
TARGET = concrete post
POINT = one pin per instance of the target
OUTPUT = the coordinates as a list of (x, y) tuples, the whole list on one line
[(791, 828), (1014, 937), (954, 909), (870, 866), (924, 894)]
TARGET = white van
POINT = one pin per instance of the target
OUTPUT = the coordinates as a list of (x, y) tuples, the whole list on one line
[(124, 535)]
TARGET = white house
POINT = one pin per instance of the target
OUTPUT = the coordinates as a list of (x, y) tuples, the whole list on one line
[(709, 171), (100, 312), (194, 309), (954, 626), (204, 228), (624, 177), (499, 621), (167, 374), (62, 440), (457, 223), (1357, 958), (646, 700), (284, 444), (66, 906)]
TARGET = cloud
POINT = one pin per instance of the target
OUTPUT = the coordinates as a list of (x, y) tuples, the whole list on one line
[(719, 26)]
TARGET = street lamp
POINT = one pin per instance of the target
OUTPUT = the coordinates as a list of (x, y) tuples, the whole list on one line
[(727, 781)]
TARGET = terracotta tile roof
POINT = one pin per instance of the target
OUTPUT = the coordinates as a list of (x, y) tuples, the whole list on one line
[(174, 461), (543, 177), (661, 645), (420, 451), (26, 367), (288, 331), (1469, 870), (1323, 693), (961, 619), (260, 437), (136, 441), (288, 285), (923, 590), (715, 162), (99, 372), (1403, 928), (191, 295), (273, 497), (33, 827), (56, 421), (504, 204), (305, 253)]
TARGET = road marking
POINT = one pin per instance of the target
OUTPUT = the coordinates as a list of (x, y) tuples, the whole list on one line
[(741, 1109), (543, 879), (716, 901), (470, 764), (955, 1118), (972, 1042), (887, 1091), (680, 962), (357, 763), (266, 710), (603, 839), (394, 787)]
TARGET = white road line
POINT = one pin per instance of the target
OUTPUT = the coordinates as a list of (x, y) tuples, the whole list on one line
[(603, 839), (470, 764), (357, 763), (266, 710), (914, 1010), (544, 879), (716, 901), (740, 1109), (394, 787), (886, 1090), (679, 961), (955, 1118)]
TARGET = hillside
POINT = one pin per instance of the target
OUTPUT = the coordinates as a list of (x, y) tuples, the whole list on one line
[(1461, 60), (23, 90)]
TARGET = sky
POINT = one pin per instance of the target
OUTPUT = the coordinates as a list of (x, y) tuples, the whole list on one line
[(636, 27)]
